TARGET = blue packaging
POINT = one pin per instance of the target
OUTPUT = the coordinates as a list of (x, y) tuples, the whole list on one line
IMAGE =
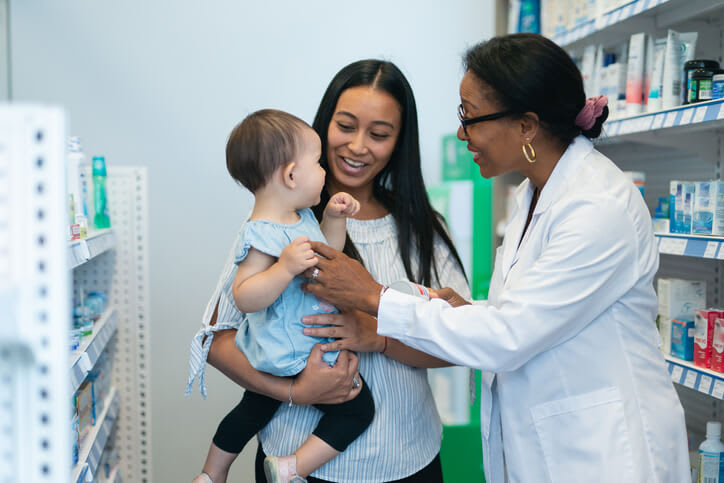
[(682, 338), (717, 86), (703, 214)]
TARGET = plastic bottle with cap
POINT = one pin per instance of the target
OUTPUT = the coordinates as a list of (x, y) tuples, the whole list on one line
[(711, 455)]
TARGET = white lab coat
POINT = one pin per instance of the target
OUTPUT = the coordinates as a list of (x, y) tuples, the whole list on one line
[(575, 387)]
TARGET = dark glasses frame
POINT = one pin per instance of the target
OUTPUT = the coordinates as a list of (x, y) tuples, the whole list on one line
[(489, 117)]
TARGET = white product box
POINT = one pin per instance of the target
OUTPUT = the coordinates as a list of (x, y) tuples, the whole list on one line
[(678, 298)]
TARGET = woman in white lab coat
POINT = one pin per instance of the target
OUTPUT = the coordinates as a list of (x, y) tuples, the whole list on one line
[(575, 387)]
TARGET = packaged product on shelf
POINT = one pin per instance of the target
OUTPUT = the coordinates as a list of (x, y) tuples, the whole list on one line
[(698, 76), (74, 436), (95, 302), (703, 339), (682, 338), (635, 74), (74, 338), (717, 85), (683, 207), (717, 346), (711, 455), (717, 196), (661, 215), (638, 178), (82, 320), (657, 76), (677, 299), (680, 48), (101, 219), (76, 183), (703, 217)]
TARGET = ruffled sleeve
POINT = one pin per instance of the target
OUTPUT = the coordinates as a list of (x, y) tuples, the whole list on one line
[(264, 236)]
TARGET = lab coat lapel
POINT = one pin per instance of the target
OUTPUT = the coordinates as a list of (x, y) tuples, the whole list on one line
[(523, 195)]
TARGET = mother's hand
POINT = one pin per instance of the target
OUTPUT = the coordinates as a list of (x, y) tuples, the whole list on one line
[(354, 330), (319, 383), (342, 281)]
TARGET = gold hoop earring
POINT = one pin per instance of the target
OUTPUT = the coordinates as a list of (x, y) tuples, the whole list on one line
[(530, 157)]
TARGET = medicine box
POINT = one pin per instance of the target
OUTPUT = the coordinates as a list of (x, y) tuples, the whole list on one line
[(704, 335), (682, 338), (677, 298), (717, 347)]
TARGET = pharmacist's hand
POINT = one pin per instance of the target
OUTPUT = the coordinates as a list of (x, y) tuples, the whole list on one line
[(448, 295), (342, 281), (319, 383), (341, 205), (297, 256), (354, 331)]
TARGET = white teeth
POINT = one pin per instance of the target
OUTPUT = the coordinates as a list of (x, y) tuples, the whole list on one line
[(354, 164)]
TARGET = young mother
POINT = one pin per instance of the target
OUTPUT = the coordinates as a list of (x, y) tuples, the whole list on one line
[(367, 121)]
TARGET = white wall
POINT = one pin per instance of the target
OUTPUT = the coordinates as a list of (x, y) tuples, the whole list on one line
[(161, 83)]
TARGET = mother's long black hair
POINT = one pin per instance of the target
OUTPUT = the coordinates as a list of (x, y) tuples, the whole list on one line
[(399, 186)]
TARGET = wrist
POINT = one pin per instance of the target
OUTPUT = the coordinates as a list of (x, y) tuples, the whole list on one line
[(373, 299)]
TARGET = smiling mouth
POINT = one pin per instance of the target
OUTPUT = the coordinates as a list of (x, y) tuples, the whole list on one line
[(353, 164)]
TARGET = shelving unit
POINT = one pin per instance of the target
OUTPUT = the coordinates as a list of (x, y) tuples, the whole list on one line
[(39, 273), (635, 16)]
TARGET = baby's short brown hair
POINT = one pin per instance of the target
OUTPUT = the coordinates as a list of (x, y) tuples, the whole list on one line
[(260, 144)]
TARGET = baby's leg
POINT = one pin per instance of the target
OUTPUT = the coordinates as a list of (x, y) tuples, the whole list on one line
[(235, 430), (340, 425)]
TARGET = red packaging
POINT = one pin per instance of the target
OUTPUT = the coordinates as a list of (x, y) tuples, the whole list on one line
[(703, 338), (717, 348)]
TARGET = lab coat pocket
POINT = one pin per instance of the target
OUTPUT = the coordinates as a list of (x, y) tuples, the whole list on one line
[(585, 437)]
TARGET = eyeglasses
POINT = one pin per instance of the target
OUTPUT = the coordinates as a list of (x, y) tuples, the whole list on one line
[(466, 122)]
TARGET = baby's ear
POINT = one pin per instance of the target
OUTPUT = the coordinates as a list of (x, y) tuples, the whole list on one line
[(288, 175)]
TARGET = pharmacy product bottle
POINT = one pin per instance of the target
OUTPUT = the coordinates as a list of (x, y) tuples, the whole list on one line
[(100, 200), (410, 288), (711, 455)]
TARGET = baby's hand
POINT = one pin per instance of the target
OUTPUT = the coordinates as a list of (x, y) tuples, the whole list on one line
[(298, 256), (342, 205)]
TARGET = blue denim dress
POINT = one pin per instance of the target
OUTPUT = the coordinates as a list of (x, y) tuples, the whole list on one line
[(272, 338)]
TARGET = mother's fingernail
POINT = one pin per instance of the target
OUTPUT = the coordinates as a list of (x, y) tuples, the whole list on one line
[(307, 331), (306, 319)]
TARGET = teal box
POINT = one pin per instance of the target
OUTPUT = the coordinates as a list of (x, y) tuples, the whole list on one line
[(457, 161), (682, 338)]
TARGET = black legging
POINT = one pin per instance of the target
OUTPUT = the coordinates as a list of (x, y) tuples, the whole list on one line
[(431, 473)]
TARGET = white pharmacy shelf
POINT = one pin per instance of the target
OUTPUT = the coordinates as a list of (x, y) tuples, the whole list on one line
[(686, 118), (706, 381), (85, 357), (80, 251), (636, 15), (92, 449), (698, 246)]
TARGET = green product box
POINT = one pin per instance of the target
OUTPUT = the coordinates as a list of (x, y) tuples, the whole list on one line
[(457, 161)]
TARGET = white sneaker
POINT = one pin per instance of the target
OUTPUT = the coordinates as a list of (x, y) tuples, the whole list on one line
[(202, 478), (282, 469)]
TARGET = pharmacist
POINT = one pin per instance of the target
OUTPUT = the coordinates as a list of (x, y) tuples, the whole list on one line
[(575, 387)]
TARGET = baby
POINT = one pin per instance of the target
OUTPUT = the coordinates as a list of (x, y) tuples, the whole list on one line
[(276, 156)]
